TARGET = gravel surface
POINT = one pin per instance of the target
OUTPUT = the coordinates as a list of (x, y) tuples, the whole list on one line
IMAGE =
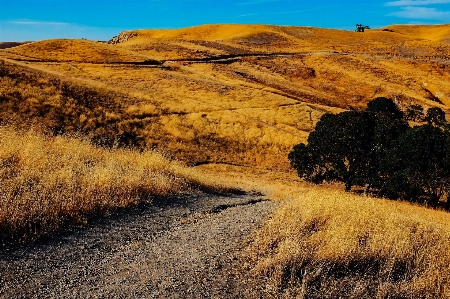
[(182, 247)]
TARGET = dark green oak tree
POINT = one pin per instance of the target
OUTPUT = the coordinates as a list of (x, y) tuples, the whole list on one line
[(417, 167), (349, 146)]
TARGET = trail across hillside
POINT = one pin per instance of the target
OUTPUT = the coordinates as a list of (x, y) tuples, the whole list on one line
[(188, 247)]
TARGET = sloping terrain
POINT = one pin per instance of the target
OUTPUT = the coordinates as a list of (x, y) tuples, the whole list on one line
[(6, 45), (65, 50), (437, 33), (240, 94), (250, 39), (230, 100)]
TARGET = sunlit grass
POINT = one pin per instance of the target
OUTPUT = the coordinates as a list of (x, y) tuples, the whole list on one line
[(325, 243), (46, 182), (73, 51)]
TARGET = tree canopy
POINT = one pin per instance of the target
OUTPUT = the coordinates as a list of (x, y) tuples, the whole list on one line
[(417, 167), (435, 116), (378, 150)]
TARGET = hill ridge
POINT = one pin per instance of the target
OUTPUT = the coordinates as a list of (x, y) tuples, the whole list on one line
[(233, 95)]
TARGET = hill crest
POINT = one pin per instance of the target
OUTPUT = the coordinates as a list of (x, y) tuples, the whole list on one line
[(239, 93), (220, 32)]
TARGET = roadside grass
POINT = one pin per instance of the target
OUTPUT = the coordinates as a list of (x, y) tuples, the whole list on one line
[(325, 243), (48, 182)]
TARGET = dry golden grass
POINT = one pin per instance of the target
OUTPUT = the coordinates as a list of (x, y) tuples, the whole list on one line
[(204, 32), (251, 110), (272, 106), (248, 126), (74, 51), (325, 243), (209, 40), (438, 33), (47, 182)]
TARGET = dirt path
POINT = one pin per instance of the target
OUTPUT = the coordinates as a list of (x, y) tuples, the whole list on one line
[(186, 247)]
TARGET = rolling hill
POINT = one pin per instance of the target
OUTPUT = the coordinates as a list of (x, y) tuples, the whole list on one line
[(436, 33), (242, 94), (65, 50), (231, 100)]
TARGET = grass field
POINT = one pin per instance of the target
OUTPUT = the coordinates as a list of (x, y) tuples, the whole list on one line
[(325, 243), (50, 182), (234, 99)]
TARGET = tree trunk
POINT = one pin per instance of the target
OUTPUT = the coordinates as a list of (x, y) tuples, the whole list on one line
[(348, 186), (434, 198)]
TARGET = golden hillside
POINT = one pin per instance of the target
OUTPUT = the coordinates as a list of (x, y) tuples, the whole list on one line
[(437, 33), (248, 39), (230, 99), (66, 50), (240, 94)]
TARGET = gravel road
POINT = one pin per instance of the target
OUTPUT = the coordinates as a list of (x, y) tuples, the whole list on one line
[(182, 247)]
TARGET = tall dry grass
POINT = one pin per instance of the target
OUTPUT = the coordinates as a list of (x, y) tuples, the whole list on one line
[(47, 182), (325, 243)]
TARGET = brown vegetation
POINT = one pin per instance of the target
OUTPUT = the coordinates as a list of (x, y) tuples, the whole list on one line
[(6, 45), (49, 182), (191, 127), (227, 94), (241, 94), (66, 50), (325, 243)]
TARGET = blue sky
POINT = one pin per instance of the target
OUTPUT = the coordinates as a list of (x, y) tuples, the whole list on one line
[(22, 20)]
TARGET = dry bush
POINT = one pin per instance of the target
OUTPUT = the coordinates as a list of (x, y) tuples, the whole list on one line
[(143, 111), (47, 182), (330, 244)]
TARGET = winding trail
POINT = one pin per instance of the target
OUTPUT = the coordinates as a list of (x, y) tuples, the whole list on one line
[(182, 247)]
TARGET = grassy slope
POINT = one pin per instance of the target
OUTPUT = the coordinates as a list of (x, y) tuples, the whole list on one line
[(183, 122), (437, 33), (48, 182), (325, 243), (251, 111), (72, 51), (270, 39)]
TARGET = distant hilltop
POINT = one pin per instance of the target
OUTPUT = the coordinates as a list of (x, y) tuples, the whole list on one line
[(7, 45), (439, 33)]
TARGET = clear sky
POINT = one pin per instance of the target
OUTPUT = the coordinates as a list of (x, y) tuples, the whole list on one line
[(22, 20)]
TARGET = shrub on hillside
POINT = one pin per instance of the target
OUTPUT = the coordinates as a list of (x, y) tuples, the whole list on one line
[(378, 150), (348, 146), (385, 106)]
